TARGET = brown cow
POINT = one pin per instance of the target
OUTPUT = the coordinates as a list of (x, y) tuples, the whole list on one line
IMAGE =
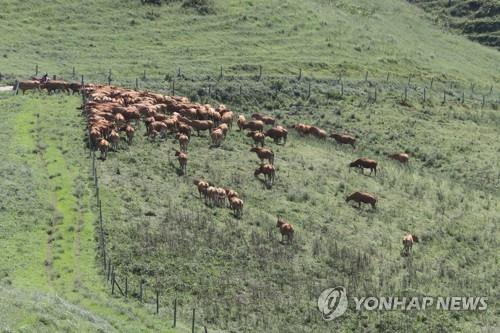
[(268, 120), (269, 172), (103, 147), (75, 87), (264, 154), (236, 204), (158, 127), (254, 125), (201, 125), (277, 133), (182, 157), (217, 137), (129, 131), (27, 85), (202, 187), (258, 137), (54, 85), (364, 163), (183, 141), (302, 129), (401, 157), (362, 197), (318, 132), (241, 121), (114, 138), (344, 139), (286, 229), (227, 118), (408, 241)]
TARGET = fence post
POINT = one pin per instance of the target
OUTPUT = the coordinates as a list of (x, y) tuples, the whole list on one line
[(192, 323), (144, 75), (113, 283), (375, 98), (136, 83), (103, 242), (409, 80), (157, 301), (463, 97), (309, 90), (342, 88), (484, 101), (175, 312), (432, 81), (444, 96), (472, 85), (173, 87), (425, 90), (178, 71), (209, 91), (205, 328), (109, 269), (221, 73), (126, 286), (366, 76), (74, 72), (387, 79), (141, 290), (406, 94), (260, 72), (240, 90), (36, 69), (300, 74)]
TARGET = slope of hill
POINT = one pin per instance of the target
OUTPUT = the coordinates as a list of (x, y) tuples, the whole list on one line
[(479, 20), (234, 272)]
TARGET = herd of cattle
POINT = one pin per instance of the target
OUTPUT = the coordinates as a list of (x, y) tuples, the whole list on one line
[(114, 113)]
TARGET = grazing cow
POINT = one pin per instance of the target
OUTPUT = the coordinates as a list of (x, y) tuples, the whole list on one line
[(224, 128), (364, 163), (268, 120), (157, 126), (344, 139), (54, 86), (318, 132), (302, 129), (202, 187), (27, 85), (286, 230), (217, 137), (408, 241), (183, 141), (227, 118), (103, 147), (236, 204), (230, 193), (211, 195), (269, 172), (241, 121), (258, 137), (182, 157), (264, 154), (114, 138), (201, 125), (254, 125), (362, 197), (277, 133), (400, 157), (129, 131)]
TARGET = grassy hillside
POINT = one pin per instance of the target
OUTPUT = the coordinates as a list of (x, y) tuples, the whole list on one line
[(47, 227), (479, 20), (234, 272), (321, 37)]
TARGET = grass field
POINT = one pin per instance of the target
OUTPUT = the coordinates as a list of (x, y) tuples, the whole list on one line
[(234, 272)]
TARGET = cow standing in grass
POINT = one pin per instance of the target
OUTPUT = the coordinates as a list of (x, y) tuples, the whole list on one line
[(362, 197), (286, 230), (408, 241), (364, 163)]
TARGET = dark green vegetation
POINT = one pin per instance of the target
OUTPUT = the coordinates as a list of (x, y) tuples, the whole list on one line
[(235, 272), (479, 20)]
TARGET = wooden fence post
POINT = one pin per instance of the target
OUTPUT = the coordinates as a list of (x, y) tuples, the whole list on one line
[(157, 301), (425, 90), (36, 69), (136, 83), (109, 269), (309, 90), (192, 323), (444, 97), (103, 242), (463, 97), (366, 76), (260, 72), (175, 312), (409, 80), (113, 283), (173, 87), (205, 328), (484, 101), (126, 286), (221, 73), (432, 81), (300, 74)]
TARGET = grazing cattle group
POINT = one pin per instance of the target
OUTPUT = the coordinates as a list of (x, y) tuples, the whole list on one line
[(49, 85), (114, 113)]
